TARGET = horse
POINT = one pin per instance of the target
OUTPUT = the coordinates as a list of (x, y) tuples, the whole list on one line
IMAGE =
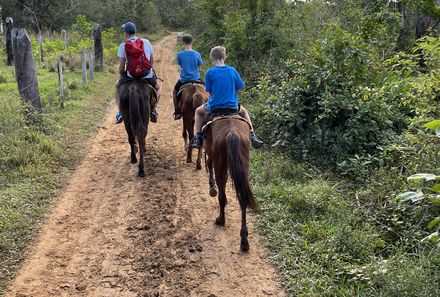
[(135, 103), (227, 147), (192, 96)]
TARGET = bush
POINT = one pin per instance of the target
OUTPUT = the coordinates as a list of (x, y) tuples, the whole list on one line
[(319, 109)]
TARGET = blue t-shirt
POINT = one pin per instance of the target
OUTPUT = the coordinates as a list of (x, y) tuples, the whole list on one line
[(223, 82), (189, 61)]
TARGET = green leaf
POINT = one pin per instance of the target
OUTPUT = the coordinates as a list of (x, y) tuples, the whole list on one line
[(434, 223), (434, 199), (425, 176), (413, 196), (432, 237), (432, 125), (436, 188)]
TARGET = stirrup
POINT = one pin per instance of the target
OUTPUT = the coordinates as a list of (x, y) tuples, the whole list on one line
[(197, 141), (154, 115), (255, 141)]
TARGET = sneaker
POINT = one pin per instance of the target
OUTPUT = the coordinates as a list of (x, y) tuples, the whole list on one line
[(197, 141), (255, 141), (118, 118), (154, 115), (177, 115)]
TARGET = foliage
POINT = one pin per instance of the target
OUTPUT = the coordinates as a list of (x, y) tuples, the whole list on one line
[(330, 241), (37, 151), (430, 190), (319, 108)]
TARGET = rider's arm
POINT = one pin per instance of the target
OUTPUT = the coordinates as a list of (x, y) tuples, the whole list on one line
[(121, 65), (152, 59)]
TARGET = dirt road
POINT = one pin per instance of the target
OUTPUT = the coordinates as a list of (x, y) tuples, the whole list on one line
[(114, 234)]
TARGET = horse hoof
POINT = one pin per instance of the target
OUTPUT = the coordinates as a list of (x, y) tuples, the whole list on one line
[(141, 174), (133, 160), (188, 161), (212, 192), (199, 167), (220, 221), (244, 246)]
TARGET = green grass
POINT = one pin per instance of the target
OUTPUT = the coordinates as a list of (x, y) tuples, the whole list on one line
[(39, 150), (330, 238)]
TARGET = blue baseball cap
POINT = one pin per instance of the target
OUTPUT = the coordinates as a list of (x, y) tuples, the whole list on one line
[(129, 28)]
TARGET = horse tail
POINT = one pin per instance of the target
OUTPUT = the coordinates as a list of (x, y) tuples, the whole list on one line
[(136, 107), (198, 99), (238, 164)]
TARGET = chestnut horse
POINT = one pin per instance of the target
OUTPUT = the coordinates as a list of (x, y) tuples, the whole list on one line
[(135, 106), (227, 147), (192, 96)]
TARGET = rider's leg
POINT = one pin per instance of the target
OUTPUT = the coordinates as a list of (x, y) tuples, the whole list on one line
[(154, 113), (199, 117), (118, 118), (256, 142), (177, 87), (244, 113)]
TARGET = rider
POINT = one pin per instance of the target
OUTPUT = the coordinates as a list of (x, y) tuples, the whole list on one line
[(223, 84), (130, 36), (190, 62)]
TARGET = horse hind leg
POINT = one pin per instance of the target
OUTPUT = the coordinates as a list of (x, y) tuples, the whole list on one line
[(141, 156), (132, 142), (212, 188), (221, 179), (188, 130), (244, 243), (199, 159)]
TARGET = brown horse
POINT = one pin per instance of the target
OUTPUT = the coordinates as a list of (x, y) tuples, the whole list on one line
[(135, 106), (192, 96), (227, 146)]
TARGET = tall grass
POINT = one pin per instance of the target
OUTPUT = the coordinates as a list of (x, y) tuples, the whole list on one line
[(326, 241), (37, 150)]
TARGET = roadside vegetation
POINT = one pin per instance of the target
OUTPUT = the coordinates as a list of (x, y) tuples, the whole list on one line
[(341, 91), (38, 151)]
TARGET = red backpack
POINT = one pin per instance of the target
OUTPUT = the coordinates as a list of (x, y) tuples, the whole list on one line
[(138, 64)]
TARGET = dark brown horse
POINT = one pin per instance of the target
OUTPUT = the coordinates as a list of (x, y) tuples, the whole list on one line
[(135, 106), (227, 146), (192, 96)]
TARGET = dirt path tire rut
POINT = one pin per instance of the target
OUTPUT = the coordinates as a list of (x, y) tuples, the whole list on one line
[(114, 234)]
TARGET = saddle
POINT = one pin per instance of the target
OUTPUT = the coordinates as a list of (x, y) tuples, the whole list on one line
[(222, 114), (189, 84), (125, 79)]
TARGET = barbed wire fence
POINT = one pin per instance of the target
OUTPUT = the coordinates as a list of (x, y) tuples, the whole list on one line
[(24, 67)]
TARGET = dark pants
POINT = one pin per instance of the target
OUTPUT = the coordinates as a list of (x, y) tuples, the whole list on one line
[(151, 81), (180, 84)]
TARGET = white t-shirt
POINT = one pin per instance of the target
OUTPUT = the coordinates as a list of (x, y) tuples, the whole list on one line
[(148, 49)]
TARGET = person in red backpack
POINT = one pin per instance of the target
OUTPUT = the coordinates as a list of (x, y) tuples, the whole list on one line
[(136, 59)]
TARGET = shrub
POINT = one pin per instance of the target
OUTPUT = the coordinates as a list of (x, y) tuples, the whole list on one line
[(319, 109)]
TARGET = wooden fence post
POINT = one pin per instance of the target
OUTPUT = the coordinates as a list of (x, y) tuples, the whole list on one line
[(9, 27), (91, 64), (61, 80), (64, 38), (24, 67), (83, 66), (99, 54), (40, 46)]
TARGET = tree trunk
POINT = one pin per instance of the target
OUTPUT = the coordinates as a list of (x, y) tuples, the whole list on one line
[(24, 68), (422, 25), (99, 54), (9, 54)]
